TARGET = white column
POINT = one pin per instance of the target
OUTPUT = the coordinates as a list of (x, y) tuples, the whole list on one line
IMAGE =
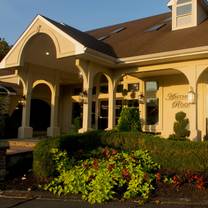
[(111, 108), (54, 130), (87, 108), (193, 125), (25, 131)]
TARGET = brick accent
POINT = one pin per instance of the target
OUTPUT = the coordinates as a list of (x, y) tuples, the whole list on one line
[(3, 149)]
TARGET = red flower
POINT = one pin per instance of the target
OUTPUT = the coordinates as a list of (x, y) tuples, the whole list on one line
[(158, 177), (200, 184), (111, 167), (176, 181), (125, 173), (95, 164), (114, 152), (106, 153)]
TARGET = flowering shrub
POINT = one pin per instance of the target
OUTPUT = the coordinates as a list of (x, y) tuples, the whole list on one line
[(177, 181), (105, 175)]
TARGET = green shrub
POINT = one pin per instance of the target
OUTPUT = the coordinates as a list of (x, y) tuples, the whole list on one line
[(105, 175), (170, 154), (43, 165), (129, 120), (77, 123), (181, 127)]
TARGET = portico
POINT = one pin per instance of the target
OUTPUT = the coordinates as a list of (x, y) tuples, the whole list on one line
[(81, 76)]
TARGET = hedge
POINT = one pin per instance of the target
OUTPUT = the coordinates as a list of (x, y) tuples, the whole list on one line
[(178, 156)]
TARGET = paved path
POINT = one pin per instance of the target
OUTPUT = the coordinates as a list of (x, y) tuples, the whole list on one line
[(12, 202)]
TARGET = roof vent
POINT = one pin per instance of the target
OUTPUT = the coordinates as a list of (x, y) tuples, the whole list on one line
[(62, 23), (118, 30), (103, 37), (155, 27)]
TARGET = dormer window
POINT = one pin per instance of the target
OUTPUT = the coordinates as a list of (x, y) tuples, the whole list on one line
[(184, 13), (184, 7), (187, 13)]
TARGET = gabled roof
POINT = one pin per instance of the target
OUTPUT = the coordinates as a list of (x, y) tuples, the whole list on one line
[(84, 38), (137, 38)]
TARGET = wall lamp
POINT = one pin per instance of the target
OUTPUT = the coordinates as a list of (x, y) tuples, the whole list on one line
[(191, 96)]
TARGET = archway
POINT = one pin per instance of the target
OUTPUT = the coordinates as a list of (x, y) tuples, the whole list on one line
[(160, 94), (100, 102), (202, 104), (128, 89), (40, 112)]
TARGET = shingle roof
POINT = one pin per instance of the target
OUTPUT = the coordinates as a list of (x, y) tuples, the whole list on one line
[(84, 38), (135, 40)]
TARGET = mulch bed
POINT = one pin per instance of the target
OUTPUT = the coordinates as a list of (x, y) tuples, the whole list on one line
[(27, 182)]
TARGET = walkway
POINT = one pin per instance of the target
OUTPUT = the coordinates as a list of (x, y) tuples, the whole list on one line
[(36, 202)]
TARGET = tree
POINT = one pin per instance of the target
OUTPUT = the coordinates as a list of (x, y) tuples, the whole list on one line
[(4, 48), (129, 119)]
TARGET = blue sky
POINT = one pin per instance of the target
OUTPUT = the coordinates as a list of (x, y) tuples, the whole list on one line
[(16, 15)]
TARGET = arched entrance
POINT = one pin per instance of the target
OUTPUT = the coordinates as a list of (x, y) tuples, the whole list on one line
[(202, 104), (100, 102), (40, 112)]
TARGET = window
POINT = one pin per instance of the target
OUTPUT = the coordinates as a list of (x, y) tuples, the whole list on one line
[(184, 7), (151, 86), (152, 107), (133, 87), (183, 1), (104, 89), (152, 103), (184, 10), (119, 88)]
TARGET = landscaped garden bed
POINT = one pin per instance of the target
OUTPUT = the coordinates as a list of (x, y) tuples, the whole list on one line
[(182, 172)]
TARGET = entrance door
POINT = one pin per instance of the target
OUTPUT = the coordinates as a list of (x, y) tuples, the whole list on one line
[(103, 116)]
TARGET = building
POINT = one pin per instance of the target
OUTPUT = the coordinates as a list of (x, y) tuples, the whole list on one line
[(63, 73)]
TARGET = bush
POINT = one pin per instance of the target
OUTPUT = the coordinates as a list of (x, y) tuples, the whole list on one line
[(129, 120), (43, 165), (105, 175), (172, 155), (180, 127)]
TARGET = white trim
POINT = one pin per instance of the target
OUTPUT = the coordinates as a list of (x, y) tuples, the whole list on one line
[(79, 47), (2, 63), (164, 55)]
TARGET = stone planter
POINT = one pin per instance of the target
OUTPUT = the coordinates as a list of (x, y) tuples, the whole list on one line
[(3, 147)]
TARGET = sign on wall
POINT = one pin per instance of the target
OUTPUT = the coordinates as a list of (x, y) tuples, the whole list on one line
[(178, 100)]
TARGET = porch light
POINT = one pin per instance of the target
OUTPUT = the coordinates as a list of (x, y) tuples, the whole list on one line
[(22, 101), (83, 97), (47, 53), (191, 96)]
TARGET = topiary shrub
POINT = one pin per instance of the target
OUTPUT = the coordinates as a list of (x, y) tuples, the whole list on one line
[(129, 120), (181, 127)]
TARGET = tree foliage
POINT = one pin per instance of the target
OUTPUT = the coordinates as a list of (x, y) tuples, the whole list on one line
[(129, 120), (4, 48)]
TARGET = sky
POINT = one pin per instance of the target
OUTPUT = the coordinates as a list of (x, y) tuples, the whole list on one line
[(16, 15)]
